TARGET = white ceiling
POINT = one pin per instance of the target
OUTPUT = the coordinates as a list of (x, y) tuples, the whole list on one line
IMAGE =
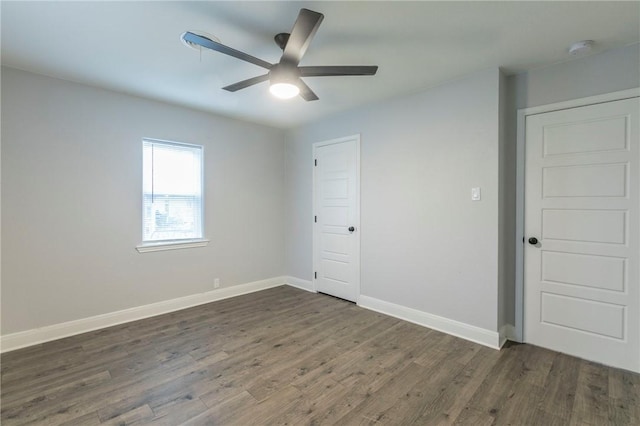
[(135, 46)]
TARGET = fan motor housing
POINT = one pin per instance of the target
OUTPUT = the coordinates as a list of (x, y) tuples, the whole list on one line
[(284, 73)]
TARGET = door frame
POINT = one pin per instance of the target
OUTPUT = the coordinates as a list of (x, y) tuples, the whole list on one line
[(314, 242), (520, 184)]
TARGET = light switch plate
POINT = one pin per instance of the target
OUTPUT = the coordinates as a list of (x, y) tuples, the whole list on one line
[(475, 194)]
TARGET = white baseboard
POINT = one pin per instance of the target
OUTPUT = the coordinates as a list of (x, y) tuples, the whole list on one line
[(469, 332), (299, 283), (35, 336)]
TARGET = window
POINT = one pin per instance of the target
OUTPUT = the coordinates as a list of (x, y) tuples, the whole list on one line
[(171, 192)]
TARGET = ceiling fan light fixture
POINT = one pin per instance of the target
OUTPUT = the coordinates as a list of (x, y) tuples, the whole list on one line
[(283, 79), (283, 90), (285, 76)]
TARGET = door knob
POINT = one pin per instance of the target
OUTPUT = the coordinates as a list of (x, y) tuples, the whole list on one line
[(351, 229), (533, 241)]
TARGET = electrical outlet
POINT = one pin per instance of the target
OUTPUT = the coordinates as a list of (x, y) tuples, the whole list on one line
[(216, 283)]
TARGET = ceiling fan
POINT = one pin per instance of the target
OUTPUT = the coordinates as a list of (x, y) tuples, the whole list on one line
[(285, 76)]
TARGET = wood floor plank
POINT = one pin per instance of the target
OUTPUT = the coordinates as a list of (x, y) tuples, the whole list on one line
[(526, 389), (591, 404), (371, 410), (178, 410), (286, 356), (434, 382), (162, 394), (472, 416), (137, 416), (455, 396), (624, 397), (224, 411), (326, 347), (90, 419), (55, 389), (317, 398), (496, 386), (264, 411), (51, 397), (560, 387), (90, 400)]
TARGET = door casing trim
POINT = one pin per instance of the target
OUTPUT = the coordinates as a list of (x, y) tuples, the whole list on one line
[(520, 166)]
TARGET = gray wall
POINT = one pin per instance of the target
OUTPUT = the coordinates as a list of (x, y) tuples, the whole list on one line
[(410, 185), (71, 205), (424, 243), (606, 72), (71, 199)]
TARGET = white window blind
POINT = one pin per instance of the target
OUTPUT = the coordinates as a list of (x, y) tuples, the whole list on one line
[(171, 191)]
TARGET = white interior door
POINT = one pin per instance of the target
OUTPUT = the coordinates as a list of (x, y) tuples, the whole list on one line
[(336, 235), (581, 277)]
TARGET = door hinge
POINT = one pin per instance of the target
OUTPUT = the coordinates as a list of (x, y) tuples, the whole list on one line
[(315, 162), (315, 219), (315, 275)]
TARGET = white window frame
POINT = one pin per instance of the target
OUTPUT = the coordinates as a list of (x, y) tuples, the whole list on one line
[(152, 246)]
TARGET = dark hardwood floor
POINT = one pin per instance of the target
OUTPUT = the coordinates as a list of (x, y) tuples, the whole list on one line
[(285, 356)]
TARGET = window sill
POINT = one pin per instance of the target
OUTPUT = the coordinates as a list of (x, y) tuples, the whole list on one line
[(171, 245)]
